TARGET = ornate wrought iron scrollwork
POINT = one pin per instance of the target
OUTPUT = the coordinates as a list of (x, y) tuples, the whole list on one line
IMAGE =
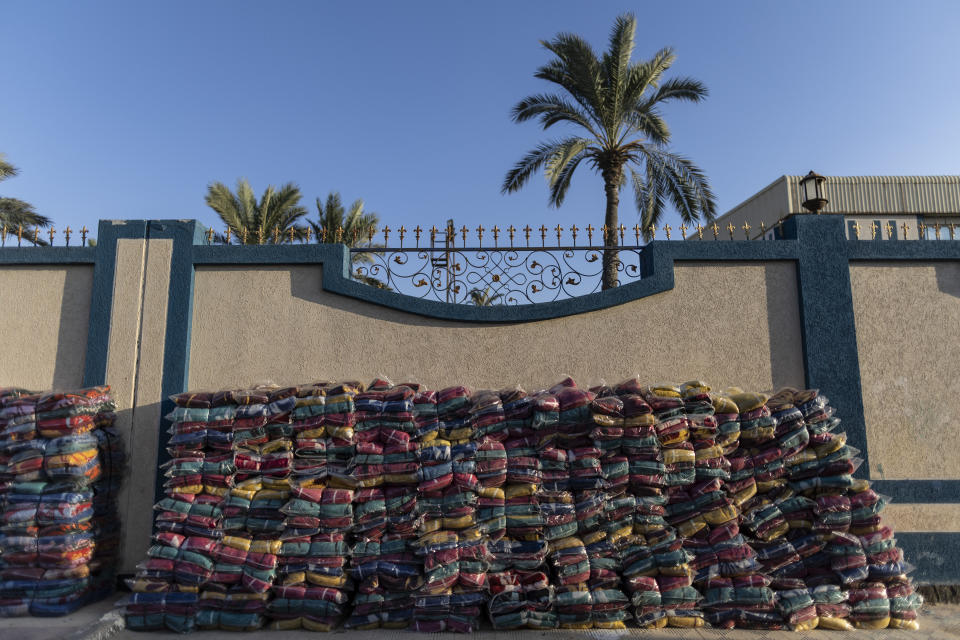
[(488, 276)]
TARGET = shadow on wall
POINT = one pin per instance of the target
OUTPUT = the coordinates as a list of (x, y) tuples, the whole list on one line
[(783, 324), (948, 278), (306, 283), (74, 320)]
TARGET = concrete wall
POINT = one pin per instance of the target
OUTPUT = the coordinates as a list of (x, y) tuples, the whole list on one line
[(872, 324), (728, 323), (907, 316), (44, 313)]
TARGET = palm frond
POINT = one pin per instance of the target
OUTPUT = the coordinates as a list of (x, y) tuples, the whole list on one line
[(529, 164), (7, 170), (552, 109)]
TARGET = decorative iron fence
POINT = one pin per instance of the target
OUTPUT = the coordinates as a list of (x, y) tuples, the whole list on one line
[(502, 275)]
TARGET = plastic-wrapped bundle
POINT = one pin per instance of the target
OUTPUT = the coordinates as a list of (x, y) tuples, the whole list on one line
[(607, 414), (453, 410), (869, 606), (832, 608), (523, 555), (521, 599), (487, 415), (59, 528)]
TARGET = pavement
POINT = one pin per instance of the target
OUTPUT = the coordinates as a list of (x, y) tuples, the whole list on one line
[(105, 620)]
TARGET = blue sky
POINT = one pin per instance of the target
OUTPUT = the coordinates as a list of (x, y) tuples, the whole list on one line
[(129, 109)]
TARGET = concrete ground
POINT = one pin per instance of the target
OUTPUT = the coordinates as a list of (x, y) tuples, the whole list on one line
[(104, 620)]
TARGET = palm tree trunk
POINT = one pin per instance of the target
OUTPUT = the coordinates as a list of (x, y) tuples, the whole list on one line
[(611, 185)]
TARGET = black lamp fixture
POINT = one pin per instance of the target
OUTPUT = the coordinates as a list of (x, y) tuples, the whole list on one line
[(811, 192)]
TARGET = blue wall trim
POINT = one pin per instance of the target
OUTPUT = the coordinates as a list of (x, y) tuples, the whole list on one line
[(922, 491), (48, 255), (936, 556), (101, 298), (903, 250)]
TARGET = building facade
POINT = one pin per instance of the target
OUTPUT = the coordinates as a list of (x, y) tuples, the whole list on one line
[(882, 207)]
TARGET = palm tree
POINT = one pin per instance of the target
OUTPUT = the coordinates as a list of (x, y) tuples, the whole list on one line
[(615, 103), (484, 298), (253, 222), (16, 213), (354, 228)]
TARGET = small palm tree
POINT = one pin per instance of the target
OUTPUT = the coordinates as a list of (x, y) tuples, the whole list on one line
[(16, 213), (616, 104), (484, 298), (354, 228), (253, 222)]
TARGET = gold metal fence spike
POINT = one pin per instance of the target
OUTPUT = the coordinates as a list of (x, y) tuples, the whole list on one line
[(590, 234), (936, 230), (339, 233), (356, 233), (510, 231), (716, 231), (463, 234), (636, 233), (526, 233), (309, 233), (653, 232), (386, 235), (416, 232), (276, 235), (480, 231), (3, 236), (683, 231), (292, 232), (19, 233), (891, 228), (856, 229), (921, 230), (904, 226), (780, 226), (559, 231), (496, 235), (403, 231), (323, 234), (83, 235), (433, 234), (36, 235), (259, 235), (873, 231), (730, 228), (209, 235), (622, 230), (543, 234), (699, 231), (763, 230), (573, 230), (746, 230), (605, 235), (66, 233), (228, 234), (243, 236), (666, 229), (53, 232)]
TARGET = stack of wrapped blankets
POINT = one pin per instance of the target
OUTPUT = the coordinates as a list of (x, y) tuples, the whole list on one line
[(398, 506), (61, 465)]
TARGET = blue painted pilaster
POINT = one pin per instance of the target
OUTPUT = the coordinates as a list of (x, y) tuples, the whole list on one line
[(827, 323), (101, 297)]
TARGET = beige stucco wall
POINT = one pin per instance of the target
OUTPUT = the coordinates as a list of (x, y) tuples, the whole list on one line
[(907, 318), (44, 314), (729, 323)]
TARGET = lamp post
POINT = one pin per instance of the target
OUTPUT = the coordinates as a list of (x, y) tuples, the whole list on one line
[(811, 192)]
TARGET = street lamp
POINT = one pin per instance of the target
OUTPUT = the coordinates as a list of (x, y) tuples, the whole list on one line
[(811, 192)]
